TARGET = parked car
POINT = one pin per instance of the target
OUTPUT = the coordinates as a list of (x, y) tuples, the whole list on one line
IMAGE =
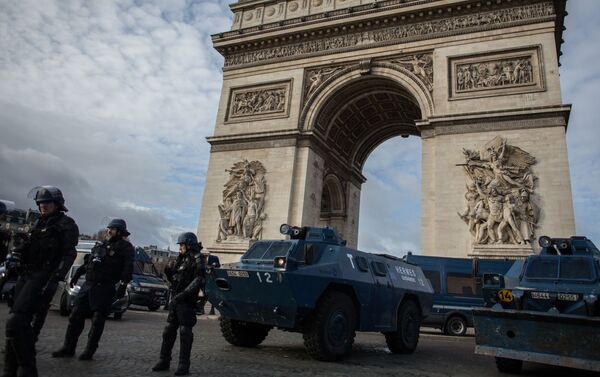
[(456, 289), (147, 288), (64, 298), (7, 289)]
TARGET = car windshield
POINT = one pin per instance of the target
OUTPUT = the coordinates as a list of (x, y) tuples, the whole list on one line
[(267, 250), (142, 268)]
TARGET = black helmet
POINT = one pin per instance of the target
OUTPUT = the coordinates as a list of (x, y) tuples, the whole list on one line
[(119, 224), (189, 239), (44, 194)]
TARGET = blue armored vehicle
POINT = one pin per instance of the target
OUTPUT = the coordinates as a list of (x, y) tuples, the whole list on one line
[(545, 309), (312, 283)]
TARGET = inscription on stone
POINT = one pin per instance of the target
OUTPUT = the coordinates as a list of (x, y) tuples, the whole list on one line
[(500, 194), (265, 101)]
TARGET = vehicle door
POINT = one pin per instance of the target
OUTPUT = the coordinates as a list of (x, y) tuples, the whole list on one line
[(462, 292), (383, 297)]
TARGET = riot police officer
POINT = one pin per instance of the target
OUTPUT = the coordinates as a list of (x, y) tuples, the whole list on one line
[(186, 278), (110, 262), (41, 261)]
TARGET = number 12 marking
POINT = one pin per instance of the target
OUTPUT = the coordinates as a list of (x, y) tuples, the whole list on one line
[(267, 277)]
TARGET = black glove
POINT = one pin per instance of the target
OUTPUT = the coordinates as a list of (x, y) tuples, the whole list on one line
[(176, 299), (121, 290), (73, 282), (13, 261), (50, 288)]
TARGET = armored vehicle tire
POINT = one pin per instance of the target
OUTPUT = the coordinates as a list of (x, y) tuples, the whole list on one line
[(456, 326), (243, 334), (330, 330), (406, 337), (509, 365), (63, 308)]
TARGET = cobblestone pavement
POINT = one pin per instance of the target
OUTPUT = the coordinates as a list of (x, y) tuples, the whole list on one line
[(130, 347)]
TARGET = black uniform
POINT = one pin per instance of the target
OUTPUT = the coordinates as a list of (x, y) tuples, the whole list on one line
[(46, 257), (110, 262), (186, 277)]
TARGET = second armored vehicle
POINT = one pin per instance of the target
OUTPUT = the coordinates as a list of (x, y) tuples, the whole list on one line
[(546, 309), (312, 283)]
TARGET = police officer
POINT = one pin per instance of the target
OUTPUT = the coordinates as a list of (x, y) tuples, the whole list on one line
[(210, 261), (110, 262), (186, 278), (41, 261)]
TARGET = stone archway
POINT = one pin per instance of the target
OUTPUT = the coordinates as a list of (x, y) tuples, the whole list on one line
[(352, 114), (310, 88)]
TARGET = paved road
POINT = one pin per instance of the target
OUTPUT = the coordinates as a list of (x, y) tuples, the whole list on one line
[(130, 347)]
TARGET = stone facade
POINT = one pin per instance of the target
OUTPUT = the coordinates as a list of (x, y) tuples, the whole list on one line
[(312, 87)]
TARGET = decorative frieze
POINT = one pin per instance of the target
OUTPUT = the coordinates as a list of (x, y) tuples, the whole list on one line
[(501, 201), (395, 34), (242, 212), (259, 102), (500, 73)]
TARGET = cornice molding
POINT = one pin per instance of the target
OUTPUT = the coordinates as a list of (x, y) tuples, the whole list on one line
[(378, 33)]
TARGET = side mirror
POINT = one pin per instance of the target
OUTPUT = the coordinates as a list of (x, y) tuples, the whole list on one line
[(493, 281)]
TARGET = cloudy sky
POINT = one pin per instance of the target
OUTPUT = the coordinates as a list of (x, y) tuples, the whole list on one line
[(112, 101)]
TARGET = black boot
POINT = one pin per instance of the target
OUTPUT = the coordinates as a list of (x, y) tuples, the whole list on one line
[(74, 329), (182, 369), (162, 365), (96, 330), (10, 360), (87, 353), (27, 371), (24, 349), (169, 336), (186, 338)]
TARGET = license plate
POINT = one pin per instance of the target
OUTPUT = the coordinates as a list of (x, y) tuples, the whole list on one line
[(540, 295), (568, 296), (238, 274), (159, 293)]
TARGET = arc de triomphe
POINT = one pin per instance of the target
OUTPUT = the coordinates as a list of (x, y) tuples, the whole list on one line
[(312, 87)]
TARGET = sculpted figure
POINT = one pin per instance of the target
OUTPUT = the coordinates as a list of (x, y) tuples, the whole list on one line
[(499, 210), (243, 201)]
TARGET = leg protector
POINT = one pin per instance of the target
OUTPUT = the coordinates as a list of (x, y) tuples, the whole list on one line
[(74, 330), (169, 337), (10, 360), (20, 335), (186, 338)]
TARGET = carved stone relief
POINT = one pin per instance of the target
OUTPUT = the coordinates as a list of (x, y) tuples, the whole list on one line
[(399, 33), (498, 73), (314, 78), (501, 201), (421, 65), (242, 211), (259, 102)]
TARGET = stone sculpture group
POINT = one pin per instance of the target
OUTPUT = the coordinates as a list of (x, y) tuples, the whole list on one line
[(500, 194), (242, 211)]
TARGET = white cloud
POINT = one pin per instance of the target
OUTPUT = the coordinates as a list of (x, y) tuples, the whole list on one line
[(110, 101)]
